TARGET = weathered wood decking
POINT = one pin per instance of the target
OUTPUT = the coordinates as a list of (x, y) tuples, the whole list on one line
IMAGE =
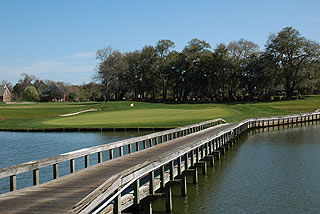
[(61, 195)]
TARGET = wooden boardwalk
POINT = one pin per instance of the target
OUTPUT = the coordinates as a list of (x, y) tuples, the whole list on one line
[(63, 194)]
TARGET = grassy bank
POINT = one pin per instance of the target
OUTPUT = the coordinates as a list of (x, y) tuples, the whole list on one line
[(120, 114)]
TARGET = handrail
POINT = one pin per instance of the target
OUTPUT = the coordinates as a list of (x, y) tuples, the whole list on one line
[(125, 179), (35, 165), (128, 177)]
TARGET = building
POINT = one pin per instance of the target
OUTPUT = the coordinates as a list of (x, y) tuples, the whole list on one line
[(53, 94), (5, 94)]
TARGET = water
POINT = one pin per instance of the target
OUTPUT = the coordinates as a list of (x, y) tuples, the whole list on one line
[(20, 147), (275, 171), (267, 172)]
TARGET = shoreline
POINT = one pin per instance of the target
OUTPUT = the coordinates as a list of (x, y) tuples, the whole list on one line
[(87, 129)]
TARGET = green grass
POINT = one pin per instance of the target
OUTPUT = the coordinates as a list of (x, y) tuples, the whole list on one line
[(120, 114)]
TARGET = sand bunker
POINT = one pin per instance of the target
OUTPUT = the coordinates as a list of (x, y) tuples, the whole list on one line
[(79, 112)]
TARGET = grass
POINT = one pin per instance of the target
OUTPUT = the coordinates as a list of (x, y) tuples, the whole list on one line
[(120, 114)]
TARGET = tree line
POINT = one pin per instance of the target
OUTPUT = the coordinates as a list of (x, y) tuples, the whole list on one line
[(287, 67), (31, 88)]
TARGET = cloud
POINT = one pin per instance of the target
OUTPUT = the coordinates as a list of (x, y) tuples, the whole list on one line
[(76, 68)]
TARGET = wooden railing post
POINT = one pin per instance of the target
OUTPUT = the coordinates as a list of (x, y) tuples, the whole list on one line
[(136, 192), (129, 148), (197, 154), (179, 165), (55, 171), (86, 161), (72, 166), (171, 167), (201, 152), (144, 144), (99, 157), (192, 157), (162, 178), (13, 182), (117, 203), (111, 154), (120, 151), (36, 177), (151, 183)]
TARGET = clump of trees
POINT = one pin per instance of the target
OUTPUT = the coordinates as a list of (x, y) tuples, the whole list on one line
[(289, 65), (31, 88)]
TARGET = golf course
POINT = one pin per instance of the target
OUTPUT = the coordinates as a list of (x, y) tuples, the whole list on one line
[(121, 114)]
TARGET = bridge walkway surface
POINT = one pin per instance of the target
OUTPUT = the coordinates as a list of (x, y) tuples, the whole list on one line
[(62, 194)]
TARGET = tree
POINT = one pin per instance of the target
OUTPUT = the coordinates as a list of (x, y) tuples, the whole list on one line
[(150, 77), (40, 85), (292, 55), (30, 93), (96, 96), (83, 95), (72, 96), (240, 52), (221, 68), (134, 73), (112, 73), (163, 50), (195, 76)]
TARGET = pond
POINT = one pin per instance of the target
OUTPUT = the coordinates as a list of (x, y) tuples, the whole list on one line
[(20, 147)]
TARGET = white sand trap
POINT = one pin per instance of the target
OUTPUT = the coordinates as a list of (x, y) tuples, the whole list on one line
[(79, 112)]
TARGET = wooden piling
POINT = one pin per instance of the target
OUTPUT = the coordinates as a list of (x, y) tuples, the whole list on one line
[(184, 190), (168, 195)]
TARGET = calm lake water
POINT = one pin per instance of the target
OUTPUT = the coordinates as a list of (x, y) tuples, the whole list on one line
[(20, 147), (268, 172)]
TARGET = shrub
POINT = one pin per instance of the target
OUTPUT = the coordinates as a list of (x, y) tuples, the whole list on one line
[(30, 93)]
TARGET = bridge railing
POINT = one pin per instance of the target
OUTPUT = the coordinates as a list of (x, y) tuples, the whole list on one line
[(131, 145), (110, 194)]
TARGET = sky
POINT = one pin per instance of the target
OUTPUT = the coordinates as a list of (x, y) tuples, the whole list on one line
[(58, 39)]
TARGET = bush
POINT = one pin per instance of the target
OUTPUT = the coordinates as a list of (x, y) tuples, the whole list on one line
[(30, 93), (276, 98)]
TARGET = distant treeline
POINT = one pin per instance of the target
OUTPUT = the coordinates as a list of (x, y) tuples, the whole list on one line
[(287, 67), (31, 88)]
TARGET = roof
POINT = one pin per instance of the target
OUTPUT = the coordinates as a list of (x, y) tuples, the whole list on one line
[(53, 89), (2, 89)]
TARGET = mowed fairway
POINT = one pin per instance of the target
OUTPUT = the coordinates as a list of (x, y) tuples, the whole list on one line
[(141, 117), (144, 115)]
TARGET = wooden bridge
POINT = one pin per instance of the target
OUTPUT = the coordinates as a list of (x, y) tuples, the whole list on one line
[(138, 170)]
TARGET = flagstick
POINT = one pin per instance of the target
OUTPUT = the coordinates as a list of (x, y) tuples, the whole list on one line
[(134, 114)]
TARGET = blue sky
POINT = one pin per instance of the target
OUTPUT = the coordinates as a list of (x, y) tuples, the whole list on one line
[(57, 39)]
